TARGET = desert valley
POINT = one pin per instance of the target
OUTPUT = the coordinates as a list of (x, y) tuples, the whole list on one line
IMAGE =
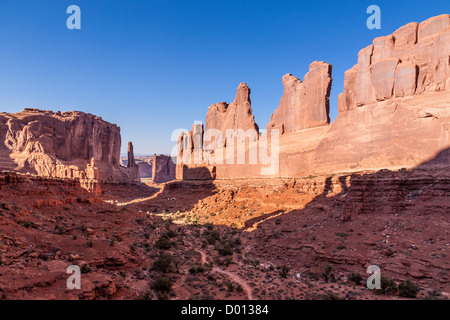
[(300, 211)]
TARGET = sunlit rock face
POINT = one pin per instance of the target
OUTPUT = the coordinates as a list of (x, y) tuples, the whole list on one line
[(62, 145)]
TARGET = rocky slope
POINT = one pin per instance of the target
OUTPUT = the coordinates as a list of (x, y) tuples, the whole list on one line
[(272, 239)]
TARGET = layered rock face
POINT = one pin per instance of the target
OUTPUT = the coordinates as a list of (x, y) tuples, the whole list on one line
[(394, 112), (145, 168), (237, 115), (413, 60), (163, 168), (191, 158), (62, 145), (304, 104), (131, 162)]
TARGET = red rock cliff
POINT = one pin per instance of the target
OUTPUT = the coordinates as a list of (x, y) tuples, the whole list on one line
[(304, 104), (61, 145), (237, 115), (413, 60)]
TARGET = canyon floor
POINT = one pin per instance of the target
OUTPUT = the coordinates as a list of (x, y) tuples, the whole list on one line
[(305, 238)]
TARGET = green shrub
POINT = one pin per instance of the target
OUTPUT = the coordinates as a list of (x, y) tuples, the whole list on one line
[(59, 230), (228, 247), (197, 268), (408, 289), (230, 286), (163, 263), (226, 261), (284, 270), (341, 234), (211, 236), (330, 295), (225, 250), (26, 224), (170, 233), (162, 287), (85, 268), (164, 243), (327, 274), (388, 286), (355, 277)]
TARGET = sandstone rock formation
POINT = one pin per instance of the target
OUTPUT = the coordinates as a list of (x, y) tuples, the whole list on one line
[(145, 168), (163, 168), (131, 163), (191, 158), (413, 60), (237, 115), (62, 145), (394, 112), (304, 104)]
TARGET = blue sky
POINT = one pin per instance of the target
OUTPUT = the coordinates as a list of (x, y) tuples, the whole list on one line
[(154, 66)]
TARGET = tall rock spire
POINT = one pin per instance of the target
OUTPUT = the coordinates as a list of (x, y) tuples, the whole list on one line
[(131, 162)]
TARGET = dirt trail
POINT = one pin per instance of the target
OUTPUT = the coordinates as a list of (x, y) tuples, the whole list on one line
[(255, 225), (121, 204), (248, 289)]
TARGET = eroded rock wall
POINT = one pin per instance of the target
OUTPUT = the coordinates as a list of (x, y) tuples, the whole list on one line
[(236, 115), (61, 145), (163, 168), (394, 113), (413, 60), (304, 104)]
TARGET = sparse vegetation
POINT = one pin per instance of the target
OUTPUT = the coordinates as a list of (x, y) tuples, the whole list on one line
[(284, 271), (197, 268), (408, 289), (162, 287), (388, 286), (85, 268), (59, 229), (27, 224), (163, 263), (341, 234), (228, 247), (355, 277), (164, 243), (327, 274)]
